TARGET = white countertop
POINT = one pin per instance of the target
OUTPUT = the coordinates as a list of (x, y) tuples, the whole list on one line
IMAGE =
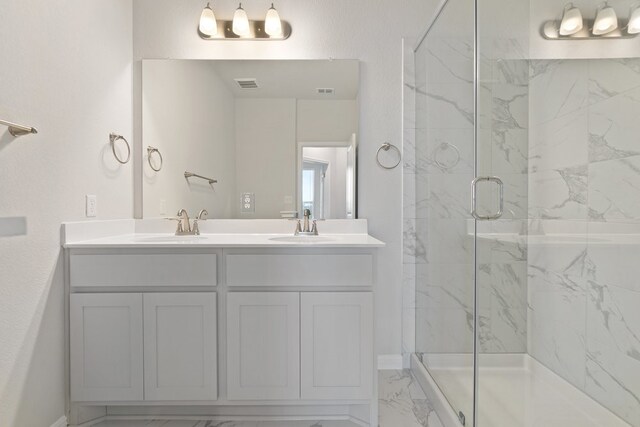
[(150, 240), (215, 234)]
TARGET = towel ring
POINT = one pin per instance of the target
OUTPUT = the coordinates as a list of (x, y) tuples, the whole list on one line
[(150, 151), (443, 147), (112, 140), (386, 147)]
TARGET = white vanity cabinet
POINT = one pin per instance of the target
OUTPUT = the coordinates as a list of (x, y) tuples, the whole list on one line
[(336, 337), (135, 347), (106, 355), (263, 345), (232, 331), (180, 361), (307, 345)]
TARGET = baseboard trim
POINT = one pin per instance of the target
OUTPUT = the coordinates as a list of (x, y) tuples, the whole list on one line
[(389, 361), (61, 422)]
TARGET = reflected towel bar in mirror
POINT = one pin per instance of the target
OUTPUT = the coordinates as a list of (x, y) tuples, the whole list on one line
[(188, 175), (18, 130)]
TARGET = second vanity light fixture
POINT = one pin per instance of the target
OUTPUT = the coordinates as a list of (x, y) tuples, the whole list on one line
[(605, 25), (241, 28)]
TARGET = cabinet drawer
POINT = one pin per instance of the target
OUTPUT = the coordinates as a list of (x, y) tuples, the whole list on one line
[(261, 269), (135, 269)]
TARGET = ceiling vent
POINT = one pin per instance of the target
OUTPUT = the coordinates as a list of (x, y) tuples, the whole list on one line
[(326, 90), (247, 83)]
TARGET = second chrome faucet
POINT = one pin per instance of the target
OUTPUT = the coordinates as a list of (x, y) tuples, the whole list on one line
[(305, 230), (184, 224)]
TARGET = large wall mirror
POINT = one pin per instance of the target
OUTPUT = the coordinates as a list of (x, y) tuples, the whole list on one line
[(276, 136)]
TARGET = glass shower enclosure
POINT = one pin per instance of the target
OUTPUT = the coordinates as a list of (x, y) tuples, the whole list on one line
[(527, 186)]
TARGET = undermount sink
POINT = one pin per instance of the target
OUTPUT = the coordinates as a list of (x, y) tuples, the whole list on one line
[(302, 239), (169, 238)]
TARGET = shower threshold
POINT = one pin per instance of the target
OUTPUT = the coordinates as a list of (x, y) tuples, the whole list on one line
[(515, 390)]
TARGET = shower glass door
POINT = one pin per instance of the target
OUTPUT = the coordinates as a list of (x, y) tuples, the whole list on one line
[(445, 168), (502, 137)]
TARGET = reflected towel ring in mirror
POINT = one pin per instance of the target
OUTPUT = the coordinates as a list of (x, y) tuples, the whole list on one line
[(443, 148), (386, 147), (150, 151), (112, 140)]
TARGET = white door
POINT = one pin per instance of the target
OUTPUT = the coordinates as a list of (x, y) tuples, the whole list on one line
[(336, 345), (263, 345), (180, 346), (106, 347)]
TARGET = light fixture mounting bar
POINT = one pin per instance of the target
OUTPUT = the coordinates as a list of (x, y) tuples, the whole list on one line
[(551, 31), (257, 32)]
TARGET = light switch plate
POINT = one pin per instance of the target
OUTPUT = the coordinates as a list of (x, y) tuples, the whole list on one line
[(91, 205)]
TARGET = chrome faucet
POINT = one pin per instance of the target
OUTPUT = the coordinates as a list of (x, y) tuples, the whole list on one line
[(202, 216), (305, 230), (184, 225)]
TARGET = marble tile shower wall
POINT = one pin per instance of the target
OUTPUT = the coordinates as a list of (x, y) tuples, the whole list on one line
[(503, 140), (584, 203), (444, 167), (438, 237)]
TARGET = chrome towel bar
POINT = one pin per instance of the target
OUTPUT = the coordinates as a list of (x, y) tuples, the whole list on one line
[(188, 175), (18, 130)]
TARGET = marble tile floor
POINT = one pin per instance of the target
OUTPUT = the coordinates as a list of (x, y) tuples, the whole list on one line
[(402, 404)]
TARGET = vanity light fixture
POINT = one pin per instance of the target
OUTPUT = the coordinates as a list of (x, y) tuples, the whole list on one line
[(208, 24), (634, 20), (605, 25), (272, 23), (571, 20), (241, 28), (241, 22), (606, 20)]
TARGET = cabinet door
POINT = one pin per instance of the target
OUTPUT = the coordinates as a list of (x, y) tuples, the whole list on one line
[(263, 345), (336, 345), (106, 347), (180, 346)]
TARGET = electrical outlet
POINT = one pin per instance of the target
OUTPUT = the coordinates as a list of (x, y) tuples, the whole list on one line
[(91, 206), (247, 203)]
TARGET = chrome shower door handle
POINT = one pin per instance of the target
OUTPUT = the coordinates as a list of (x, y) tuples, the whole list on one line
[(474, 198)]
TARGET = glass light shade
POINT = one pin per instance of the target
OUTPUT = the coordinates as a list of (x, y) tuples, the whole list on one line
[(240, 22), (208, 24), (571, 21), (606, 21), (272, 23), (634, 21)]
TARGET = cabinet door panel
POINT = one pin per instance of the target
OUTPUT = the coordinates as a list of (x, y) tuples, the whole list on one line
[(336, 345), (106, 347), (263, 345), (180, 346)]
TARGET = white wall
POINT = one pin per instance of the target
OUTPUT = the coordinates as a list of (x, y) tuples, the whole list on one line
[(189, 115), (370, 31), (544, 10), (66, 69), (266, 154), (324, 121)]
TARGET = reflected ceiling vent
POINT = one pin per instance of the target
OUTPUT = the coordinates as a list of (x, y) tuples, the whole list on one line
[(326, 90), (247, 83)]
